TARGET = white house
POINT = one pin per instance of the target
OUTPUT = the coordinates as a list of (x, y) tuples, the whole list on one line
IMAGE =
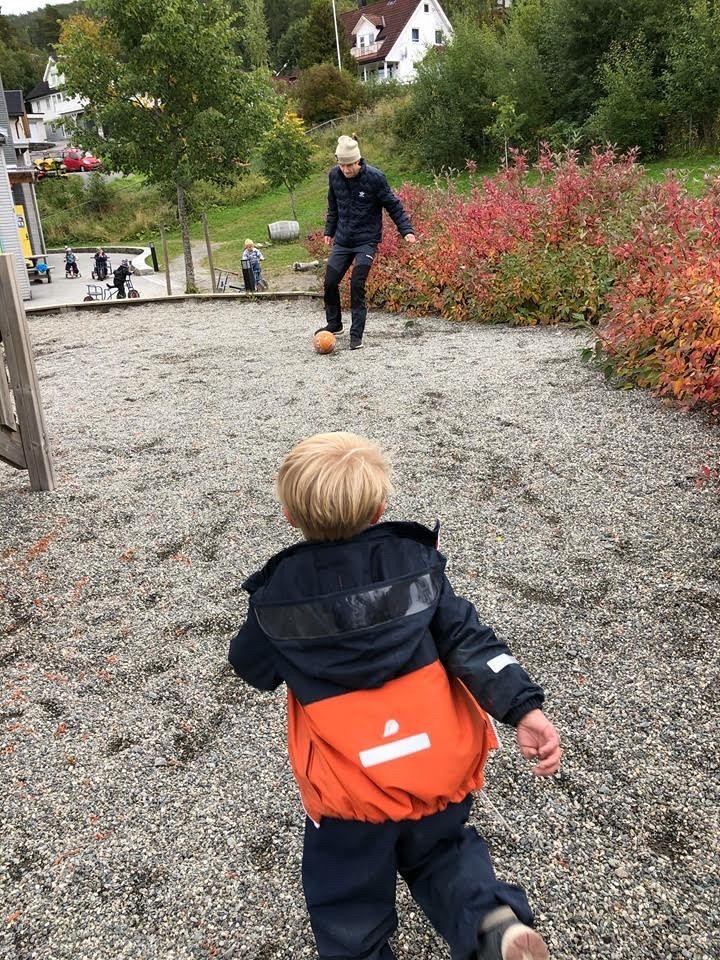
[(55, 107), (389, 38)]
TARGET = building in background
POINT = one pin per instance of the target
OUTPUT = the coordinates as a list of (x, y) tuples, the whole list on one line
[(9, 233), (389, 39), (48, 101)]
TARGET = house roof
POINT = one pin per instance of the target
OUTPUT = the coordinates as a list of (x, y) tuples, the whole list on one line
[(390, 15), (41, 89), (14, 103)]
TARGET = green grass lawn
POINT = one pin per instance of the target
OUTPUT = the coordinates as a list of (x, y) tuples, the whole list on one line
[(691, 170)]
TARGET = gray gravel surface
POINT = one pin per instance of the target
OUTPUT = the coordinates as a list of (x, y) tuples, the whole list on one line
[(148, 810)]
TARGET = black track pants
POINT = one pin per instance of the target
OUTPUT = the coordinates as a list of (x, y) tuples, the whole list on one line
[(338, 264), (349, 875)]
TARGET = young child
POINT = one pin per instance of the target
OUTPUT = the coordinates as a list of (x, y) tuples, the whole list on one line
[(389, 675), (71, 267), (120, 275), (251, 258), (101, 264)]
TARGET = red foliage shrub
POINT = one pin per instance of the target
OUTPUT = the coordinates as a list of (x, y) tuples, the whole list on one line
[(663, 326), (512, 251)]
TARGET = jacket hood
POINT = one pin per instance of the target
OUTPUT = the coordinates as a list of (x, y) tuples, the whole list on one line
[(358, 608)]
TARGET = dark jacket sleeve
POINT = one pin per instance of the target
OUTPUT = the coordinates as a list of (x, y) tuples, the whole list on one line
[(394, 207), (331, 221), (251, 655), (472, 653)]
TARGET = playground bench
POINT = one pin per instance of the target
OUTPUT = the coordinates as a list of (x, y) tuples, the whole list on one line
[(38, 276)]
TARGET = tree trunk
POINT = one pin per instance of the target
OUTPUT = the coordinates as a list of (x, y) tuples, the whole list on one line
[(292, 202), (190, 286)]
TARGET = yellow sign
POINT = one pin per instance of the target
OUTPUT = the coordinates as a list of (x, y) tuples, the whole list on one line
[(22, 230)]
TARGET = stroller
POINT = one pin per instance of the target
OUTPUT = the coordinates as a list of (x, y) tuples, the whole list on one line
[(251, 271)]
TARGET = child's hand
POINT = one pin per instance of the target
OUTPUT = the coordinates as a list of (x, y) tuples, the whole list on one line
[(538, 740)]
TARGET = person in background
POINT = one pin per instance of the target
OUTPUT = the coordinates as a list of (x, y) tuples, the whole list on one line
[(71, 267), (101, 264), (357, 196), (250, 259), (120, 275)]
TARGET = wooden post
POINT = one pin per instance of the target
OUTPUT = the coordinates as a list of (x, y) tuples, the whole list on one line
[(163, 240), (24, 382), (209, 250)]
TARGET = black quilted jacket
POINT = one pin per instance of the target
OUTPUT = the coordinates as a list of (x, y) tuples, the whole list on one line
[(355, 207)]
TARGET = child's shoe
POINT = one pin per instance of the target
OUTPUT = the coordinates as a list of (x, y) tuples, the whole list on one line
[(503, 937)]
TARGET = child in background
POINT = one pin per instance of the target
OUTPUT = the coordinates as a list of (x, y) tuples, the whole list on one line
[(389, 677), (250, 259), (71, 267), (101, 264)]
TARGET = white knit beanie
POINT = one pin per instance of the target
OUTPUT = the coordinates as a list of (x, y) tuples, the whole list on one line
[(347, 150)]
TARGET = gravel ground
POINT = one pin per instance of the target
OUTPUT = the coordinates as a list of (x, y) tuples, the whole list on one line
[(148, 810)]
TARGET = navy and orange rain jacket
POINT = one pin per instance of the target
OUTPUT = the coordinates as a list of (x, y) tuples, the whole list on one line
[(389, 673)]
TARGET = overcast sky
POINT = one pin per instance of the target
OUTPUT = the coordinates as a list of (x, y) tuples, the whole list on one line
[(22, 6)]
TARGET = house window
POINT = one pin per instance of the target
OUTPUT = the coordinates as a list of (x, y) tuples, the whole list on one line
[(415, 35), (426, 7), (389, 70), (362, 41), (438, 36)]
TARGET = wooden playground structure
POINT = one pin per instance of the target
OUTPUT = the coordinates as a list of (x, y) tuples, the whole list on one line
[(23, 434)]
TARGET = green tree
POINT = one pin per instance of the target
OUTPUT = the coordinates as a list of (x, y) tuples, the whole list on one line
[(477, 11), (280, 14), (630, 113), (507, 125), (450, 105), (165, 85), (20, 66), (252, 32), (693, 70), (324, 92), (574, 37), (515, 71), (290, 47), (286, 154), (319, 45)]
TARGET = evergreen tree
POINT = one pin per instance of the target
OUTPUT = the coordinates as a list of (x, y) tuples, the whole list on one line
[(21, 67), (319, 44), (693, 73)]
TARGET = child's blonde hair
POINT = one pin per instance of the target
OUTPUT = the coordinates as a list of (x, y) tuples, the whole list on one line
[(333, 484), (249, 242)]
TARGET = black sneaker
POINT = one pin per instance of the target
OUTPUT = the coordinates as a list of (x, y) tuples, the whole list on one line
[(503, 937), (337, 331), (356, 343)]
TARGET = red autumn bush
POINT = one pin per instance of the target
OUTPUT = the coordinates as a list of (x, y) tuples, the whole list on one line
[(662, 329), (512, 251)]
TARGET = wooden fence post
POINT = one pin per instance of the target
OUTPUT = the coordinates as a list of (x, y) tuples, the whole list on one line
[(163, 240), (209, 250), (31, 432)]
